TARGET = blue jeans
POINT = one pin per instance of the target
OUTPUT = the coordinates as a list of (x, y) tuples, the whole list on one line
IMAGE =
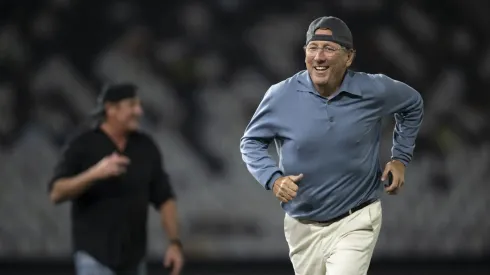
[(87, 265)]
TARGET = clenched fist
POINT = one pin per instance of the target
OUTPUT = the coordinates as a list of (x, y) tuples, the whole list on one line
[(397, 171), (111, 166), (285, 188)]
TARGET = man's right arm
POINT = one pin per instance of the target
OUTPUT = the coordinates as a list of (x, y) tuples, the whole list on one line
[(69, 180), (68, 188), (259, 133)]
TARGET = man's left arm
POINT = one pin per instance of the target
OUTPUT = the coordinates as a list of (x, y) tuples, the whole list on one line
[(163, 200), (162, 197), (407, 106)]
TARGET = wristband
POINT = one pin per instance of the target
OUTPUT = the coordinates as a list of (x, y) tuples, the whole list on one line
[(176, 242)]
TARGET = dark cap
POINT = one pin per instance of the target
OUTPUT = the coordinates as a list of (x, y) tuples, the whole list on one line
[(114, 94), (340, 32)]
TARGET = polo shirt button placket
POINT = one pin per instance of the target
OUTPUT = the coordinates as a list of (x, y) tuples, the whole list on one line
[(330, 118)]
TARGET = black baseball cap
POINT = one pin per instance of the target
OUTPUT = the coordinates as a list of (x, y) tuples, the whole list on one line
[(114, 94), (341, 34)]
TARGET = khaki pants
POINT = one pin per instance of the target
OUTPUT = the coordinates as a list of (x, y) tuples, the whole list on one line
[(344, 247)]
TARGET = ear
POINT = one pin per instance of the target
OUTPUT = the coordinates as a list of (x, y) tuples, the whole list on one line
[(350, 57), (304, 50), (108, 108)]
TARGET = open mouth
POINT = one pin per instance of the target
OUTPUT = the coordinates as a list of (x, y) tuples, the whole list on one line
[(320, 68)]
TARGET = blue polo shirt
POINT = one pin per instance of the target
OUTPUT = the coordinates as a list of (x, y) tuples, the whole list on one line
[(334, 142)]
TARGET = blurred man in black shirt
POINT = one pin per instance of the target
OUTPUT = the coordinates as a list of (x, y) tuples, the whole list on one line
[(111, 173)]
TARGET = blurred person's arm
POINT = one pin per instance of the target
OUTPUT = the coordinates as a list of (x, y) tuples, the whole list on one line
[(254, 144), (68, 180), (162, 198), (408, 107), (65, 189), (170, 220)]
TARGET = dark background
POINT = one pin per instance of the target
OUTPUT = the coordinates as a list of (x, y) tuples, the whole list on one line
[(202, 67)]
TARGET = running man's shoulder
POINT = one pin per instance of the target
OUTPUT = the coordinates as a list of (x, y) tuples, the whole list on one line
[(372, 83)]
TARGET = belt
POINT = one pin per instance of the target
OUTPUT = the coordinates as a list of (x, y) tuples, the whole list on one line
[(359, 207)]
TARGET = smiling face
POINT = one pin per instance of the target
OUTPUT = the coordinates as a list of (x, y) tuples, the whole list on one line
[(327, 61)]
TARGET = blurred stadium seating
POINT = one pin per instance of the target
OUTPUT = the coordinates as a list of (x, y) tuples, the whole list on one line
[(202, 67)]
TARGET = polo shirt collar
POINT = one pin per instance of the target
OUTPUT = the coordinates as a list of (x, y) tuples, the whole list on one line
[(348, 85)]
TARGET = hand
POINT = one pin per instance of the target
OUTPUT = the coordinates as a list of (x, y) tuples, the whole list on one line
[(111, 166), (174, 259), (397, 169), (285, 188)]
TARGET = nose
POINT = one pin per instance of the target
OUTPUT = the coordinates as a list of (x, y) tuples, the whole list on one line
[(320, 56), (139, 110)]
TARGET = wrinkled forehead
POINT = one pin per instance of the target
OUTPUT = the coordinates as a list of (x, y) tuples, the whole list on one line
[(322, 37), (323, 32)]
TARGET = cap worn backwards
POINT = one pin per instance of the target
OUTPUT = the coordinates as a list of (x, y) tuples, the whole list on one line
[(113, 94), (341, 33)]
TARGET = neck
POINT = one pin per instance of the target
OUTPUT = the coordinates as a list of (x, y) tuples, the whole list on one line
[(115, 133)]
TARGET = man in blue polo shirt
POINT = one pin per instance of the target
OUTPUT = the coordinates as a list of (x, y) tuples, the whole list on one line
[(326, 123)]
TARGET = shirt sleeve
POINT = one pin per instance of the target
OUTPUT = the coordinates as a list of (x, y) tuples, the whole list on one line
[(160, 188), (69, 164), (255, 142), (407, 106)]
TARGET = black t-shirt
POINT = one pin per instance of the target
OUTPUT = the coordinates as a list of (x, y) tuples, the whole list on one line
[(109, 219)]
